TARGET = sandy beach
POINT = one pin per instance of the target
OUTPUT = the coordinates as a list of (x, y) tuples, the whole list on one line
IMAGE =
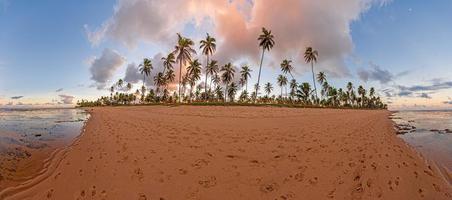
[(202, 152)]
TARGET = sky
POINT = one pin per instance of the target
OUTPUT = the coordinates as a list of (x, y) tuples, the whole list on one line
[(57, 52)]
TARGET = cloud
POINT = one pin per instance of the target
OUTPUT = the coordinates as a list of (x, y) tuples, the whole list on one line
[(325, 25), (375, 73), (17, 97), (405, 93), (103, 68), (436, 85), (424, 95), (66, 99), (59, 90), (132, 74)]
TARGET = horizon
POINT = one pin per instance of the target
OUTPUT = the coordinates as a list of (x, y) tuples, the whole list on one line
[(53, 54)]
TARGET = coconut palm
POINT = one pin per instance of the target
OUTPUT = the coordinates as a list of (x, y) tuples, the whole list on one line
[(168, 62), (321, 77), (208, 47), (245, 74), (145, 69), (282, 81), (183, 50), (227, 76), (143, 92), (112, 90), (293, 87), (310, 56), (286, 67), (268, 88), (216, 79), (169, 77), (349, 92), (266, 42), (120, 83), (212, 69), (304, 92), (232, 90), (129, 87), (159, 80), (362, 93), (325, 87), (194, 73), (219, 92)]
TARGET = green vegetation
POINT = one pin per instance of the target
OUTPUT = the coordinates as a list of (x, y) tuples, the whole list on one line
[(219, 87)]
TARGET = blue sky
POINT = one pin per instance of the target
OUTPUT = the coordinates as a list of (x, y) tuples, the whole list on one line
[(402, 48)]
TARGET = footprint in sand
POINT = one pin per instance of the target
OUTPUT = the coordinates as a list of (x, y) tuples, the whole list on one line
[(93, 191), (198, 164), (183, 171), (207, 182), (138, 173), (142, 196), (50, 193), (270, 187), (313, 181)]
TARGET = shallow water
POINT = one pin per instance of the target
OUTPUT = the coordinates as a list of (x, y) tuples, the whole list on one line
[(430, 136), (28, 136), (42, 125)]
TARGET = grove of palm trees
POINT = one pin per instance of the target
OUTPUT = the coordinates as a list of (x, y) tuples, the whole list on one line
[(218, 86)]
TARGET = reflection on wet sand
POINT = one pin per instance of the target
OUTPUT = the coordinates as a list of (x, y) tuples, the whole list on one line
[(29, 136)]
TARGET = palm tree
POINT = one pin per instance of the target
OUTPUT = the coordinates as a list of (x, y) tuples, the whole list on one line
[(120, 83), (293, 87), (219, 92), (232, 90), (208, 47), (286, 67), (168, 62), (212, 69), (143, 92), (304, 92), (310, 56), (112, 90), (227, 76), (349, 92), (184, 52), (194, 73), (129, 87), (159, 80), (325, 87), (268, 88), (282, 81), (245, 74), (266, 42), (321, 78), (362, 92), (169, 77), (145, 68)]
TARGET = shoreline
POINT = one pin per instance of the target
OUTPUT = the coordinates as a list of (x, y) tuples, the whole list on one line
[(32, 186), (45, 158)]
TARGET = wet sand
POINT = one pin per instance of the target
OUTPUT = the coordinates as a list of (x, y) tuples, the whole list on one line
[(190, 152)]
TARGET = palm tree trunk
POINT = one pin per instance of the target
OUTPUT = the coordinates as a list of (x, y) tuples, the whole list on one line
[(281, 93), (180, 74), (226, 93), (313, 80), (259, 76), (205, 84), (144, 78)]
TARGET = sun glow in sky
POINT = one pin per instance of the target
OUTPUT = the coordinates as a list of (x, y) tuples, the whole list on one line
[(58, 52)]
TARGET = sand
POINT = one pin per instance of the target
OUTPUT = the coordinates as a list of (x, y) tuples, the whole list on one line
[(190, 152)]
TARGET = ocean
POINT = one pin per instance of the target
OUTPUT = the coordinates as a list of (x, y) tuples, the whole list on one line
[(430, 133), (29, 135)]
